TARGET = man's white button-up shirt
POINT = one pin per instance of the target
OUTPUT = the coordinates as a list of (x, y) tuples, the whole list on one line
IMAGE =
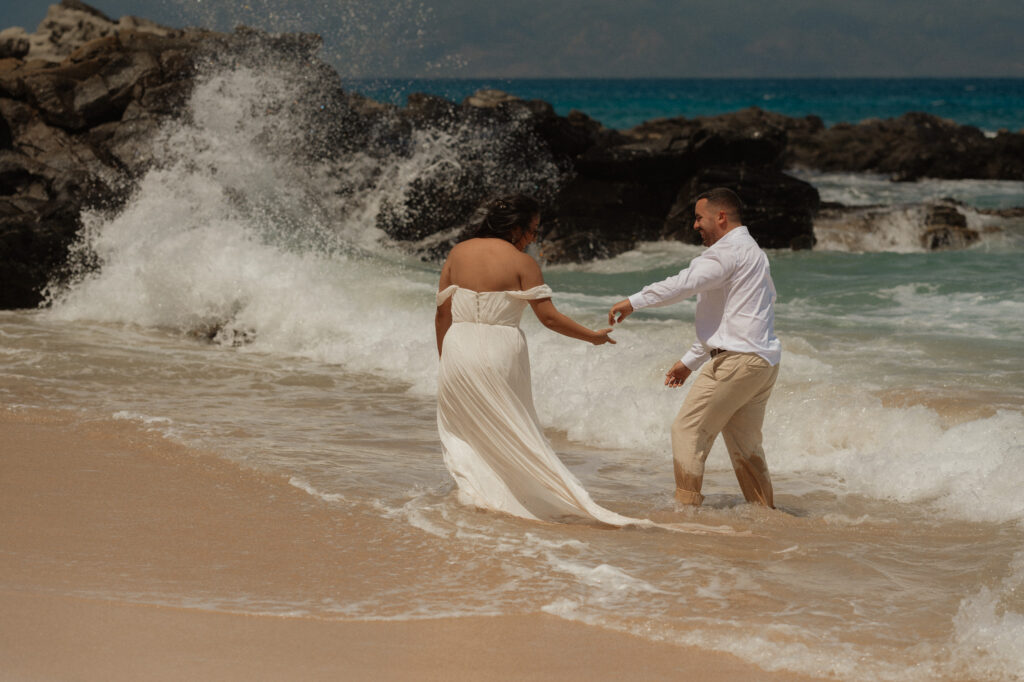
[(735, 299)]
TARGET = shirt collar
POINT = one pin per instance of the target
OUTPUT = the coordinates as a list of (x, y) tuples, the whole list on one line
[(736, 232)]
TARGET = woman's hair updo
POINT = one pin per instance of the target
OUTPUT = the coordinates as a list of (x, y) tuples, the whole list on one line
[(506, 217)]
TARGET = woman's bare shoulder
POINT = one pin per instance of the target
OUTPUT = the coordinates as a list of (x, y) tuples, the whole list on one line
[(457, 249), (468, 246), (530, 274), (484, 248)]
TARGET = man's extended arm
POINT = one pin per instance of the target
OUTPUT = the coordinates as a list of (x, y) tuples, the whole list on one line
[(705, 272)]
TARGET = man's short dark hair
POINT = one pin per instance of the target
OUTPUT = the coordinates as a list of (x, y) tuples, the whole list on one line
[(724, 198)]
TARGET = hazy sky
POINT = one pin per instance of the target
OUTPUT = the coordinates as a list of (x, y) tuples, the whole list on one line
[(621, 38)]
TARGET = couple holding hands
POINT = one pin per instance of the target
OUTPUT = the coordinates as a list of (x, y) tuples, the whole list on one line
[(491, 439)]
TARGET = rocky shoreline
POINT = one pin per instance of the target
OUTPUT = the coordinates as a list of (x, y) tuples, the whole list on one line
[(82, 99)]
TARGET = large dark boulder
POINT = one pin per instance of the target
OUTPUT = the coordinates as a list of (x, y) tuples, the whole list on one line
[(490, 143), (779, 209), (612, 189), (750, 137), (640, 186), (597, 217), (911, 147), (34, 241)]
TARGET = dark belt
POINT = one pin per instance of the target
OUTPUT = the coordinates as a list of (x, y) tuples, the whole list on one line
[(716, 351)]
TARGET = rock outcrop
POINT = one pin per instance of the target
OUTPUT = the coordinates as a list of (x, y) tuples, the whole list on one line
[(82, 99), (66, 27), (910, 147), (75, 133), (946, 228), (80, 104), (69, 131), (617, 188), (933, 226)]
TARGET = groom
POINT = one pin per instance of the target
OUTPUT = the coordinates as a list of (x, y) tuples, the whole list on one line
[(736, 346)]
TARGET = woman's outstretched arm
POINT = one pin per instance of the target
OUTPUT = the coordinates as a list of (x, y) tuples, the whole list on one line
[(551, 318), (530, 276)]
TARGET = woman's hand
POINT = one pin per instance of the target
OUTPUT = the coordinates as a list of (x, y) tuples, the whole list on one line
[(602, 337)]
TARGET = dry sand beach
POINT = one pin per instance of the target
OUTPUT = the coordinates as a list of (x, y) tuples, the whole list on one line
[(93, 507)]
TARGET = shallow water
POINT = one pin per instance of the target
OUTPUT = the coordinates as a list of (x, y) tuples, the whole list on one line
[(872, 568)]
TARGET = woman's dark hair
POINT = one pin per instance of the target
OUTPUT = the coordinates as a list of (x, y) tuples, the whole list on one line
[(506, 217)]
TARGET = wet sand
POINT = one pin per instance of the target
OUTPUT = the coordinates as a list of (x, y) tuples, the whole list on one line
[(100, 520)]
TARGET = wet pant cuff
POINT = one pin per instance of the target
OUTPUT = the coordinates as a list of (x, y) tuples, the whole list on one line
[(689, 497)]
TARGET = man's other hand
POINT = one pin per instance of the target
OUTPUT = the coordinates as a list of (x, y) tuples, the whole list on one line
[(677, 375)]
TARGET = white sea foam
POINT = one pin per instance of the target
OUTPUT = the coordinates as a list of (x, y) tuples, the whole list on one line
[(903, 229), (144, 418), (989, 628), (872, 229), (606, 581), (162, 425), (308, 488), (766, 649), (821, 419), (227, 236), (865, 189), (923, 308), (643, 257), (891, 215)]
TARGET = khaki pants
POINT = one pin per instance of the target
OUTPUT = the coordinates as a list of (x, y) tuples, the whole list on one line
[(728, 397)]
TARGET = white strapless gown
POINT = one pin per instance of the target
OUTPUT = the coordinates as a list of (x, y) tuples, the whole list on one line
[(492, 442)]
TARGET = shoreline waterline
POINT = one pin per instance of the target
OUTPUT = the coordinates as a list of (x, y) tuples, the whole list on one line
[(76, 571), (370, 529)]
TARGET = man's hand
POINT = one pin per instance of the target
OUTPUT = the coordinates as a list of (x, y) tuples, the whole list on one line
[(623, 309), (677, 375)]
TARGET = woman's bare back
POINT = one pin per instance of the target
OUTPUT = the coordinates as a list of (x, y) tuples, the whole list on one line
[(490, 265)]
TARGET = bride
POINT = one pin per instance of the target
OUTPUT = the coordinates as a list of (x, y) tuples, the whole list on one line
[(492, 442)]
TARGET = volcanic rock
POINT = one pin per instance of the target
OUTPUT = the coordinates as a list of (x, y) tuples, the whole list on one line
[(77, 112), (911, 147), (946, 228), (83, 98)]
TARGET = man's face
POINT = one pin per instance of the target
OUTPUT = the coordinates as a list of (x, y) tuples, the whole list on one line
[(710, 223)]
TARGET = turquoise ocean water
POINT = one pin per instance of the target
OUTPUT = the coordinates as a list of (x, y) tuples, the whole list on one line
[(990, 104)]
